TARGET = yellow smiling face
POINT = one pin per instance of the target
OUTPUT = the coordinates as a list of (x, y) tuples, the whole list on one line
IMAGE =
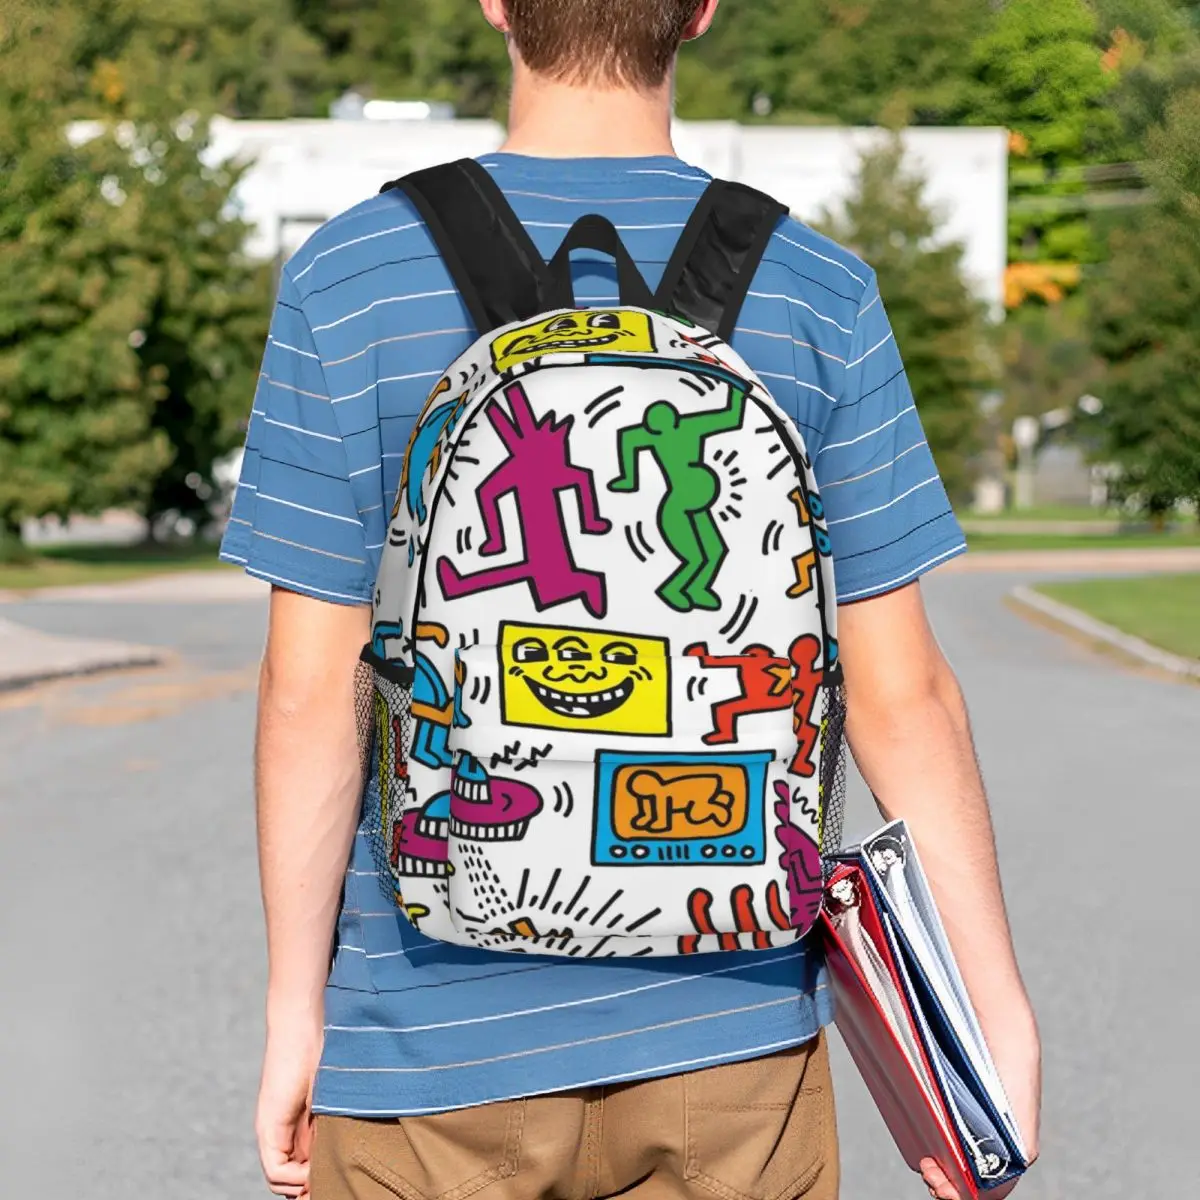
[(555, 677), (583, 331)]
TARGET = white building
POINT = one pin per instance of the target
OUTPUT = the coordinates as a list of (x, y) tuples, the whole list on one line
[(305, 172)]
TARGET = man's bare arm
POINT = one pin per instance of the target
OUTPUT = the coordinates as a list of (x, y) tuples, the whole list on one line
[(308, 787), (910, 735)]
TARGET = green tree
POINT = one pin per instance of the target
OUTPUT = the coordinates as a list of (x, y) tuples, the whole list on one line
[(367, 44), (1146, 324), (129, 322), (441, 50), (941, 327), (1039, 71), (203, 334), (1048, 358), (857, 62), (243, 60), (76, 406)]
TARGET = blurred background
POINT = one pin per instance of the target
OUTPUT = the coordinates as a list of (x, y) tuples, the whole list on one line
[(1024, 175)]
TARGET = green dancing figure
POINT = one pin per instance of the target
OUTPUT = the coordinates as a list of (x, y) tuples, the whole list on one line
[(685, 517)]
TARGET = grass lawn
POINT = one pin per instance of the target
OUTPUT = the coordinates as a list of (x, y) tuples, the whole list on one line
[(1047, 512), (1082, 541), (64, 566), (1162, 609)]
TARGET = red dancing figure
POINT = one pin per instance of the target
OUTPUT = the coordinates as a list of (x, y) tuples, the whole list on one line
[(537, 470), (766, 683), (769, 684)]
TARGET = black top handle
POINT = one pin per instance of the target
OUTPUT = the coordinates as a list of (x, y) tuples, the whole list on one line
[(594, 232)]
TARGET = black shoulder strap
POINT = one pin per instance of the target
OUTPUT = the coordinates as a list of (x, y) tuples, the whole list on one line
[(713, 265), (490, 256)]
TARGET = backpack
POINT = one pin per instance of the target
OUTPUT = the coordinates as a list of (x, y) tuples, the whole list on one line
[(603, 710)]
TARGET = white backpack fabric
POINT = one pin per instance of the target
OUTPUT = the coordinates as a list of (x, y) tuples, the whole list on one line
[(606, 705)]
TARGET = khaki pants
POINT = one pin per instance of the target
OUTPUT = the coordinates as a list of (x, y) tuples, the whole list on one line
[(758, 1130)]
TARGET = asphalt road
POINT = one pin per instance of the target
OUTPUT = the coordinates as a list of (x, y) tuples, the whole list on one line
[(131, 948)]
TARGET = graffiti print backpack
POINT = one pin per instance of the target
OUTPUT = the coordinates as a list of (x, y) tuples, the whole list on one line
[(606, 710)]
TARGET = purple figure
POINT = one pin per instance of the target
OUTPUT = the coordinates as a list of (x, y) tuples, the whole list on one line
[(801, 860), (537, 470)]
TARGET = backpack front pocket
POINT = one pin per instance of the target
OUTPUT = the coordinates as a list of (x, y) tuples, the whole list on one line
[(563, 835)]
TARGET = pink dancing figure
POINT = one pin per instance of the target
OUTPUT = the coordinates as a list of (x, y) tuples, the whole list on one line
[(536, 471)]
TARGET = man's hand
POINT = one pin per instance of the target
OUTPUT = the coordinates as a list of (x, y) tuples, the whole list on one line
[(283, 1122), (309, 795), (910, 735)]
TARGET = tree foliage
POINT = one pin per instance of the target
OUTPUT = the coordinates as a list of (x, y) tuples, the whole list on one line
[(129, 322), (941, 328), (1146, 324)]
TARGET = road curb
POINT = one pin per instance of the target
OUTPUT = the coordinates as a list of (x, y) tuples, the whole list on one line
[(1097, 631), (29, 657), (174, 587)]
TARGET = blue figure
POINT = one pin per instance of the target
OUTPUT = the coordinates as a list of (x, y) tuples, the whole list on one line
[(422, 450), (434, 708)]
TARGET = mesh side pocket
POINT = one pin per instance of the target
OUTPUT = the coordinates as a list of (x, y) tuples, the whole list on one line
[(833, 772), (383, 703)]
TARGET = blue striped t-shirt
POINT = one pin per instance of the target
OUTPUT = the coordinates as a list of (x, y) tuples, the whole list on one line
[(366, 320)]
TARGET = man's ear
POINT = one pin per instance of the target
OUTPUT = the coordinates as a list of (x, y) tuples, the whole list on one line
[(698, 26), (496, 14)]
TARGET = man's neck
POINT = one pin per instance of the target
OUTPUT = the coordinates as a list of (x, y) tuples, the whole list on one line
[(548, 119)]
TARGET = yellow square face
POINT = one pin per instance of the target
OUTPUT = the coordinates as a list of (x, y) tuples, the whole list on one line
[(582, 332), (556, 677)]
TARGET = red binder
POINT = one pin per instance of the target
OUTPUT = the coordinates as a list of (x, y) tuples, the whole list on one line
[(914, 1112)]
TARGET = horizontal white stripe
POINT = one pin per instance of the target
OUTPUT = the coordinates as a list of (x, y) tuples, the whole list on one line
[(240, 521), (250, 487), (619, 228), (607, 199), (232, 558), (316, 512), (311, 549), (374, 546), (833, 262), (863, 311), (545, 1008), (325, 437), (870, 512), (287, 387), (812, 387), (672, 174), (604, 1037), (671, 1068), (874, 471), (907, 577), (370, 209), (373, 507), (365, 471), (400, 337), (294, 349), (869, 433), (787, 337), (354, 242), (387, 300), (800, 304), (859, 361), (386, 379), (301, 587)]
